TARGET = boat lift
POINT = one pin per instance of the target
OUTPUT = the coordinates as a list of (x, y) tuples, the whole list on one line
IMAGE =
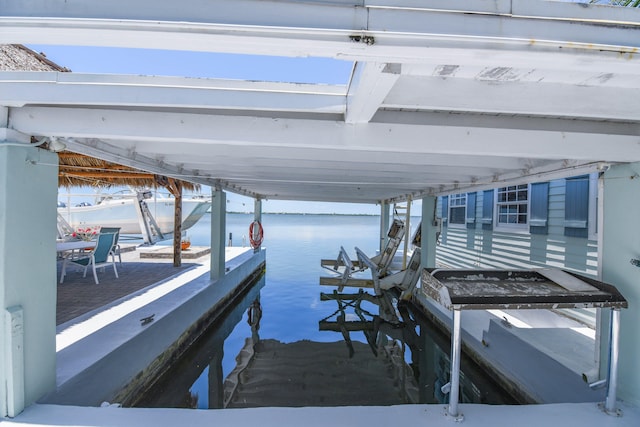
[(150, 229), (344, 267)]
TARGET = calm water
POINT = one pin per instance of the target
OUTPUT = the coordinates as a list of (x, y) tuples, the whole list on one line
[(290, 318)]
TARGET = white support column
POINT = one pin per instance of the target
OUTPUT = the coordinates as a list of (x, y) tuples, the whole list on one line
[(384, 224), (407, 235), (620, 245), (430, 230), (454, 393), (218, 227), (257, 215), (28, 192), (257, 210)]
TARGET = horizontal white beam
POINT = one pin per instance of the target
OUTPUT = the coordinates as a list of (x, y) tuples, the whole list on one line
[(186, 152), (168, 128), (601, 102), (25, 88), (339, 29)]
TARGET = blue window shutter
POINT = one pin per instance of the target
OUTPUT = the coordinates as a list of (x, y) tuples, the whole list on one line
[(445, 209), (487, 210), (576, 207), (471, 210), (539, 208)]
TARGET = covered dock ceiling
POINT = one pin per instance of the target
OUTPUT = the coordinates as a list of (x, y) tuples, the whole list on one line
[(445, 97)]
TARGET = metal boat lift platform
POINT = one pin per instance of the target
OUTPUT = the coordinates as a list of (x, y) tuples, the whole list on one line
[(459, 290)]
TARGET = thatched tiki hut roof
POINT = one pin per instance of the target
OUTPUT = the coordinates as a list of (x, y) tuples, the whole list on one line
[(78, 170)]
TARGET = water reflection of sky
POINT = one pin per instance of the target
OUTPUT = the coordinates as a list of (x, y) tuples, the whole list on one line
[(290, 298)]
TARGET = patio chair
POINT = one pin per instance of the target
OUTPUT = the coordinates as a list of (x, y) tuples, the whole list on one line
[(98, 257), (115, 250)]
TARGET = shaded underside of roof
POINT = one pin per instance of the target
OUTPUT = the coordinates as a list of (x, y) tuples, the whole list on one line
[(445, 97)]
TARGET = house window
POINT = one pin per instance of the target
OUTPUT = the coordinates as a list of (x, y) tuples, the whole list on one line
[(512, 206), (457, 209)]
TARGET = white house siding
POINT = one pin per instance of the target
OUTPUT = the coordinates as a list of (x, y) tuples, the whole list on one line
[(477, 248)]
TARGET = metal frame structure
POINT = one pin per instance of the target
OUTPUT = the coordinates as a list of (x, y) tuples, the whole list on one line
[(459, 290)]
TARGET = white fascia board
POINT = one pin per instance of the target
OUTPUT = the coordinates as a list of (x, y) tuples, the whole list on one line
[(20, 89), (369, 86), (172, 128)]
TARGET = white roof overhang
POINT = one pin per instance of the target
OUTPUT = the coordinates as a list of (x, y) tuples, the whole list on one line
[(478, 95)]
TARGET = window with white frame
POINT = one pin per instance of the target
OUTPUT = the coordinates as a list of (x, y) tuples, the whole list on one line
[(457, 209), (512, 206)]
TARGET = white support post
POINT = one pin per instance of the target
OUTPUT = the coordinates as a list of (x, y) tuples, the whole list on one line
[(407, 234), (620, 245), (257, 215), (27, 288), (218, 226), (612, 375), (430, 229), (454, 393), (384, 224)]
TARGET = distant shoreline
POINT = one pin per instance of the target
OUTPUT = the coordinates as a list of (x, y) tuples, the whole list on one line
[(303, 213)]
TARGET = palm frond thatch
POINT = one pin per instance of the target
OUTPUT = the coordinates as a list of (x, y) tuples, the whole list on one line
[(79, 170)]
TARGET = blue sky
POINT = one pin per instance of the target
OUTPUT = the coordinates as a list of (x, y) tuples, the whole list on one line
[(212, 65), (106, 60)]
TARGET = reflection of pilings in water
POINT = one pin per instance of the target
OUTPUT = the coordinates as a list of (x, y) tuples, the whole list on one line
[(232, 382), (246, 354), (341, 325), (206, 352), (254, 315), (386, 339)]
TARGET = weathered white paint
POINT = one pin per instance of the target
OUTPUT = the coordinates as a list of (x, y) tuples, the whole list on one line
[(218, 235), (429, 232), (293, 28), (621, 243), (27, 238)]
